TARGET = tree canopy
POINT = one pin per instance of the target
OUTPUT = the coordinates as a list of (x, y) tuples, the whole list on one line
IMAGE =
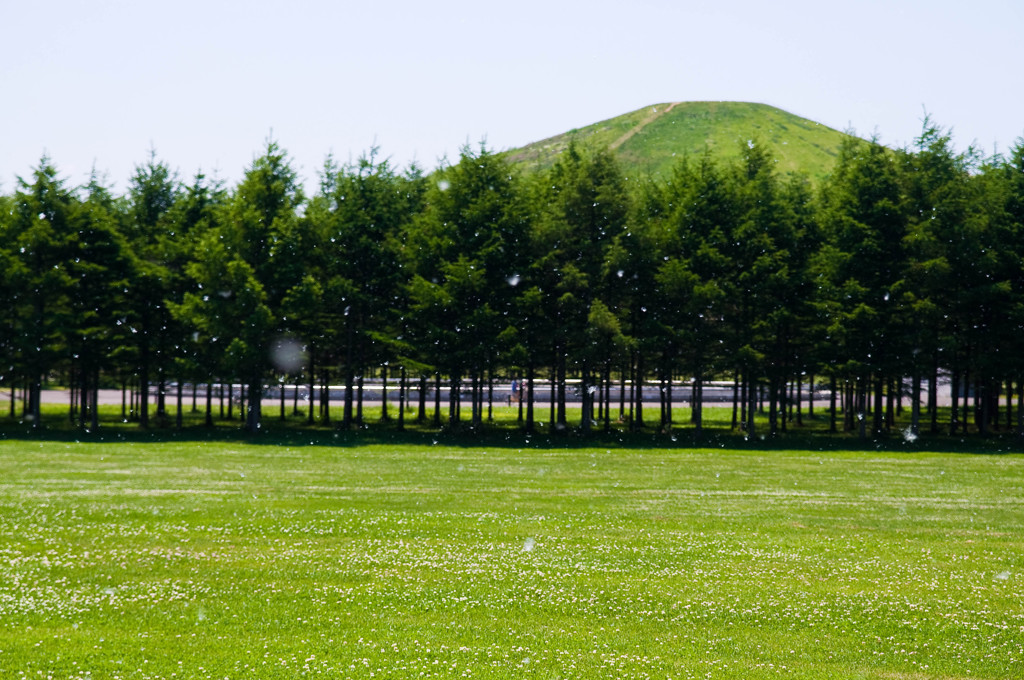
[(903, 269)]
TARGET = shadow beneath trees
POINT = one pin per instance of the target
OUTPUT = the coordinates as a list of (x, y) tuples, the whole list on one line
[(507, 435)]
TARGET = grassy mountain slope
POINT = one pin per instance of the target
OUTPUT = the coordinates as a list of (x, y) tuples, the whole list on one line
[(650, 140)]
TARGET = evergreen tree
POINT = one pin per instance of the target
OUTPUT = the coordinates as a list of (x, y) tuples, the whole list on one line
[(465, 253), (953, 264), (153, 190), (864, 223), (40, 232), (587, 207), (360, 217), (1012, 247), (100, 266), (693, 272), (244, 271), (760, 293), (195, 212), (8, 275)]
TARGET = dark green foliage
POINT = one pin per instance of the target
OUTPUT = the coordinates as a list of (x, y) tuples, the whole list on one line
[(40, 233), (245, 266), (904, 270), (466, 253), (158, 247)]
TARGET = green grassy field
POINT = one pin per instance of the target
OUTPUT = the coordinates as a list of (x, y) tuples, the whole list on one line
[(278, 558), (663, 133)]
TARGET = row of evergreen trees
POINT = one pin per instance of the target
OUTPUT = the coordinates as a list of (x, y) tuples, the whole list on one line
[(903, 266)]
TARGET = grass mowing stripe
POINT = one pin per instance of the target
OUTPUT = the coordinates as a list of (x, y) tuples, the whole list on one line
[(225, 559)]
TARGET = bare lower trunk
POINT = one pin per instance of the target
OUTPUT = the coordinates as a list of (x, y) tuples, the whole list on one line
[(253, 416)]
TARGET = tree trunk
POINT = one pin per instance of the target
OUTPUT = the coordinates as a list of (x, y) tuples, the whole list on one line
[(474, 398), (552, 396), (638, 419), (933, 395), (346, 413), (144, 361), (36, 403), (561, 390), (79, 390), (810, 397), (663, 416), (966, 382), (74, 385), (312, 385), (735, 399), (437, 399), (954, 411), (421, 415), (529, 397), (401, 400), (862, 407), (161, 396), (607, 395), (283, 415), (915, 406), (744, 387), (879, 413), (833, 388), (697, 400), (209, 404), (586, 399), (799, 401), (751, 402), (632, 391), (1020, 407), (453, 399), (255, 400), (325, 395), (890, 404), (359, 401), (981, 394), (490, 395), (622, 395)]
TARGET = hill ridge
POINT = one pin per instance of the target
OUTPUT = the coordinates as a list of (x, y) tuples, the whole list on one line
[(650, 140)]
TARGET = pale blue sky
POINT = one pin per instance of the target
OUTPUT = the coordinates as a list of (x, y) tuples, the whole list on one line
[(204, 83)]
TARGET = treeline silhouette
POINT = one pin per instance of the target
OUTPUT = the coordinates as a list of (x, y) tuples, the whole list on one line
[(901, 272)]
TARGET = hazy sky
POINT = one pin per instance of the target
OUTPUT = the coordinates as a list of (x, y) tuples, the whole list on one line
[(99, 83)]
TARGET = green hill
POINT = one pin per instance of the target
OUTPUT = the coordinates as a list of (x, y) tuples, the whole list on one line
[(650, 140)]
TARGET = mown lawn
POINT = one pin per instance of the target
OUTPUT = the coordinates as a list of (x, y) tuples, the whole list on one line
[(282, 559)]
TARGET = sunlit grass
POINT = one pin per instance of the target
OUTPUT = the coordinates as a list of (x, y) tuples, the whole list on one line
[(223, 559)]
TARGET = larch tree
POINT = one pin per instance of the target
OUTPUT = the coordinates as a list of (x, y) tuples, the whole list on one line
[(361, 214), (864, 225), (465, 252), (244, 271), (587, 207), (100, 266), (153, 190), (40, 232)]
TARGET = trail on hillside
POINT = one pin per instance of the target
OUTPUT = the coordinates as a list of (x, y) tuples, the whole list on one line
[(641, 125)]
